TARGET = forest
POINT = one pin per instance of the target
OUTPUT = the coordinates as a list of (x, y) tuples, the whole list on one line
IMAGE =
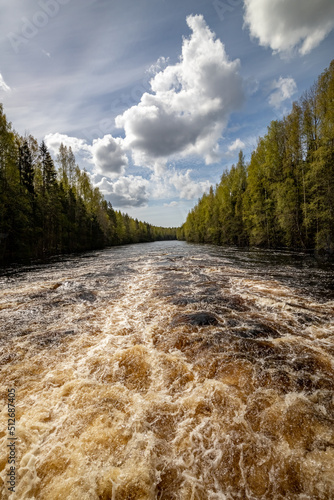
[(284, 196), (49, 208)]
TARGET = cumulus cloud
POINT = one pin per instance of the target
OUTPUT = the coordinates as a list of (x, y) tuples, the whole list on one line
[(236, 145), (185, 114), (136, 191), (284, 25), (106, 154), (283, 89), (160, 65), (3, 84), (190, 102), (109, 156), (186, 187), (53, 142), (127, 191)]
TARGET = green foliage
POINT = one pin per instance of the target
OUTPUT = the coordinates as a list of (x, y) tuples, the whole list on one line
[(284, 197), (45, 211)]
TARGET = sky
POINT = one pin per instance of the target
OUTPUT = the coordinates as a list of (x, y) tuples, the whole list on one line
[(157, 97)]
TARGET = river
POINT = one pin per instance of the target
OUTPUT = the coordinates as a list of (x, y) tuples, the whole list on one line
[(169, 371)]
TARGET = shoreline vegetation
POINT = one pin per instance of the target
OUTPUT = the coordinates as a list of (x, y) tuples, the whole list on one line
[(282, 199), (51, 208)]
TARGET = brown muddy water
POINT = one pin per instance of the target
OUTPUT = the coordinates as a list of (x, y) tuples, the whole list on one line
[(169, 371)]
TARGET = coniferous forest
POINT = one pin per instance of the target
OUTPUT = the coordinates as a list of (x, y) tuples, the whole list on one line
[(284, 197), (49, 208)]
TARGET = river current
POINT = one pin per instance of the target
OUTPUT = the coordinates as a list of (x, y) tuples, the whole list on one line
[(169, 371)]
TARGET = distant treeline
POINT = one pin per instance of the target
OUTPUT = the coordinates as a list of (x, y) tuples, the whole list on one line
[(46, 210), (284, 197)]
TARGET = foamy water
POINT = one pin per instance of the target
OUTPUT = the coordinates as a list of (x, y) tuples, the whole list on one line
[(169, 371)]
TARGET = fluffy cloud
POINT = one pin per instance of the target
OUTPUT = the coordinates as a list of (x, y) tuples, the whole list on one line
[(160, 65), (286, 24), (284, 88), (3, 84), (53, 142), (135, 191), (236, 145), (109, 156), (190, 103), (185, 114), (186, 187), (129, 191)]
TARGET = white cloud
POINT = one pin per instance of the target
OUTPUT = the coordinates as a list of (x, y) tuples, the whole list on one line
[(53, 142), (236, 145), (3, 84), (136, 191), (127, 191), (160, 65), (109, 156), (171, 204), (284, 25), (106, 154), (190, 103), (186, 187), (284, 88), (184, 115), (109, 160)]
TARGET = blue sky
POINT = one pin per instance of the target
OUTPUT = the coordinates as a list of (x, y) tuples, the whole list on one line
[(156, 97)]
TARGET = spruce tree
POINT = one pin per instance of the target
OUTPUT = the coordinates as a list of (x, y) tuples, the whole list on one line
[(27, 172)]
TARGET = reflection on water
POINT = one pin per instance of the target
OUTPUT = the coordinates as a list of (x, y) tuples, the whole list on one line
[(170, 371)]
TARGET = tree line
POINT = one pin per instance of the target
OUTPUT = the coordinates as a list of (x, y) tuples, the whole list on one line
[(49, 208), (284, 196)]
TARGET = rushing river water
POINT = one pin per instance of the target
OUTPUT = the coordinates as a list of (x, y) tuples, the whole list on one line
[(169, 371)]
